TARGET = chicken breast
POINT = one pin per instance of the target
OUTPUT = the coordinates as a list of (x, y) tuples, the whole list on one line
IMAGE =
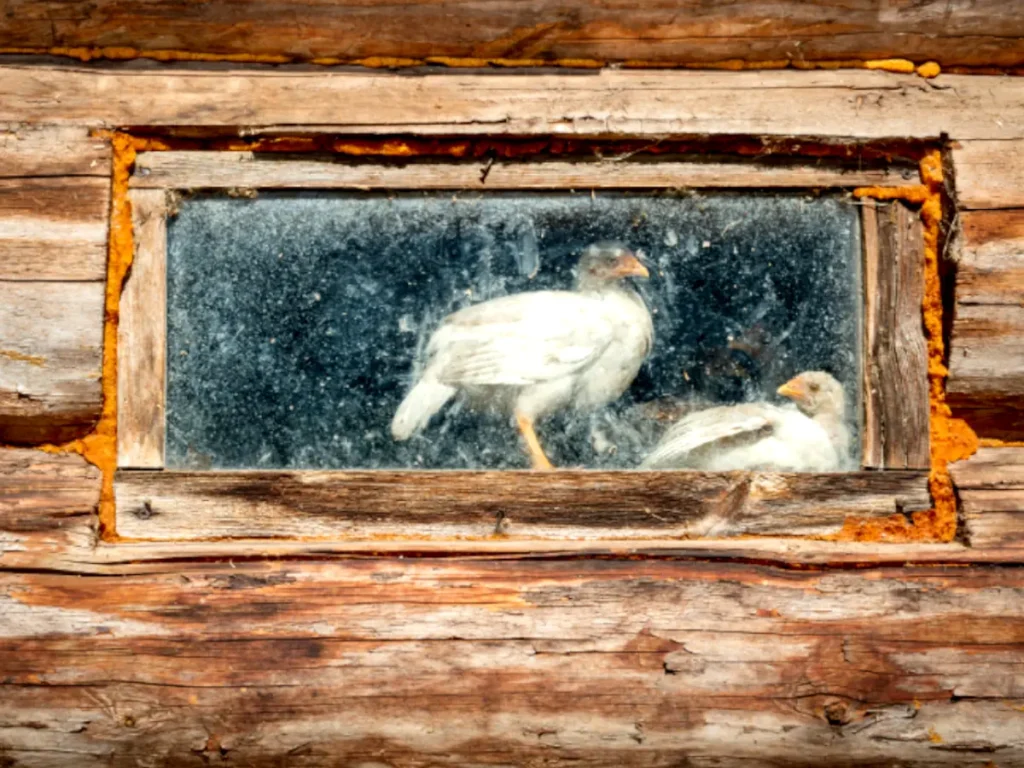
[(533, 353)]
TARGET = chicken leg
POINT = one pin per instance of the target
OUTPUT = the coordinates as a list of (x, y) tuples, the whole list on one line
[(533, 447)]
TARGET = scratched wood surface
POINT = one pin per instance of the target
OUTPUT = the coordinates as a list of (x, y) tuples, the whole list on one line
[(180, 506), (895, 356), (839, 105), (451, 662), (991, 487), (219, 170), (985, 33), (747, 651), (986, 358), (142, 337)]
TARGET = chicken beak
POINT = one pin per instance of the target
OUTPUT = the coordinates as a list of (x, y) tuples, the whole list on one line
[(629, 265), (793, 389)]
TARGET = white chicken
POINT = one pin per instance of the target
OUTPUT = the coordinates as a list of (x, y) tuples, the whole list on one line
[(810, 437), (534, 353)]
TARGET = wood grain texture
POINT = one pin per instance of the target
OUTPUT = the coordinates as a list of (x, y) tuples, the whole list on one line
[(211, 170), (986, 358), (990, 270), (985, 33), (989, 174), (566, 505), (53, 228), (991, 489), (142, 337), (895, 353), (134, 556), (30, 151), (583, 662), (51, 337), (47, 509), (826, 104)]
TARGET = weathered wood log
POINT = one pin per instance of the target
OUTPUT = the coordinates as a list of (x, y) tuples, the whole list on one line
[(824, 104), (390, 662), (991, 489), (47, 509), (895, 369), (53, 228), (987, 34), (34, 151), (989, 173), (183, 506), (51, 337), (986, 358), (142, 337), (212, 170)]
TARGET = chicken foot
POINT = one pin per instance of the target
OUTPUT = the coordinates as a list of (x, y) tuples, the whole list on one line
[(533, 447)]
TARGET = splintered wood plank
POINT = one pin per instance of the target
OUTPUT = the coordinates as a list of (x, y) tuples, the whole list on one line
[(989, 174), (895, 351), (47, 508), (53, 228), (991, 488), (51, 337), (197, 170), (826, 104), (565, 505), (142, 337), (562, 662), (985, 33), (34, 151)]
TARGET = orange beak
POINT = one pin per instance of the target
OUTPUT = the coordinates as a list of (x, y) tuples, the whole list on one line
[(793, 389), (629, 265)]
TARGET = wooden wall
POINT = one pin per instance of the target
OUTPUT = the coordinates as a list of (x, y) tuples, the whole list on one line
[(800, 653), (979, 34)]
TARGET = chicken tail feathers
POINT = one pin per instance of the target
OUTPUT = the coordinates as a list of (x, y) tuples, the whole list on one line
[(422, 402)]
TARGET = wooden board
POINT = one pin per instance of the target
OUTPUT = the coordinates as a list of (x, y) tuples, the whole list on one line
[(564, 505), (51, 337), (142, 337), (582, 662), (991, 489), (212, 170), (989, 174), (986, 33), (825, 104), (47, 509), (986, 358), (34, 151), (53, 228), (896, 408)]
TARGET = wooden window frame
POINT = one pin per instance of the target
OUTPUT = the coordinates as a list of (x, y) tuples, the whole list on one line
[(495, 511)]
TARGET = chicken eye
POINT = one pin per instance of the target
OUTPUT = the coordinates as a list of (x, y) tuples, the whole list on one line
[(814, 387)]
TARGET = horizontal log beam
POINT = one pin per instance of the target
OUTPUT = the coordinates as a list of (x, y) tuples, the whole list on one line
[(989, 173), (51, 337), (220, 170), (181, 506), (47, 509), (54, 228), (986, 358), (454, 663), (987, 33), (991, 488), (823, 104)]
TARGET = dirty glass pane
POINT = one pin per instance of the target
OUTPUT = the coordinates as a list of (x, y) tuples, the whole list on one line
[(298, 323)]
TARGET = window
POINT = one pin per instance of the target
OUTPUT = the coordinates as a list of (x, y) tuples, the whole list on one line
[(282, 308)]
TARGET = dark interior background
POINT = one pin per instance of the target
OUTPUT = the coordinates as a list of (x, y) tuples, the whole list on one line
[(296, 319)]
